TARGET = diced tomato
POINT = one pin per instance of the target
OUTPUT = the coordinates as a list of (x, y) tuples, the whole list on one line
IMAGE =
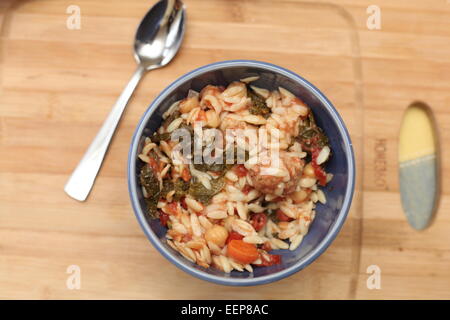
[(320, 174), (186, 174), (233, 235), (272, 260), (315, 153), (242, 252), (258, 220), (186, 238), (154, 164), (172, 207), (240, 170), (267, 246), (163, 218), (282, 217), (318, 170), (183, 203), (246, 189)]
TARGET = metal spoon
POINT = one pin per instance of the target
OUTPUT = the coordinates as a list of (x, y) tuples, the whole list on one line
[(157, 40)]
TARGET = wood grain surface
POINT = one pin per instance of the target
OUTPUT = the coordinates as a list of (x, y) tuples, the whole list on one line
[(57, 86)]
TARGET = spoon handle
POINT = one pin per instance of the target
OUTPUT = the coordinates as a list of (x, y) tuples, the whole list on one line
[(82, 179)]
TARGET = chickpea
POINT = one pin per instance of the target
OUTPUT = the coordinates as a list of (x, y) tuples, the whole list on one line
[(217, 234), (299, 196), (212, 119), (308, 171), (188, 104)]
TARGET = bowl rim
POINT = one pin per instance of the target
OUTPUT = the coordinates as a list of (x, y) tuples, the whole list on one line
[(304, 261)]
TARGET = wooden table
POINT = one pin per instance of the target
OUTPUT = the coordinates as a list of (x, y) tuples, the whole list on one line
[(57, 85)]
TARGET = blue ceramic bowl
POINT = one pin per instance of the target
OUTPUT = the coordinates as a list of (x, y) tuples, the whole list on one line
[(329, 218)]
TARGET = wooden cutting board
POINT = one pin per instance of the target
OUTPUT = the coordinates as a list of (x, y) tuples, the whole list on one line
[(57, 85)]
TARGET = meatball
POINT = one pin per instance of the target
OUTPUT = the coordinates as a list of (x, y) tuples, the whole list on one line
[(264, 183), (292, 166)]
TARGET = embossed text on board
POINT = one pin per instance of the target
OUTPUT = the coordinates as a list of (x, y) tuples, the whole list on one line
[(380, 163)]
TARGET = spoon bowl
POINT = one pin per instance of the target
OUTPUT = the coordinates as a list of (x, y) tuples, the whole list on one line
[(157, 41)]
